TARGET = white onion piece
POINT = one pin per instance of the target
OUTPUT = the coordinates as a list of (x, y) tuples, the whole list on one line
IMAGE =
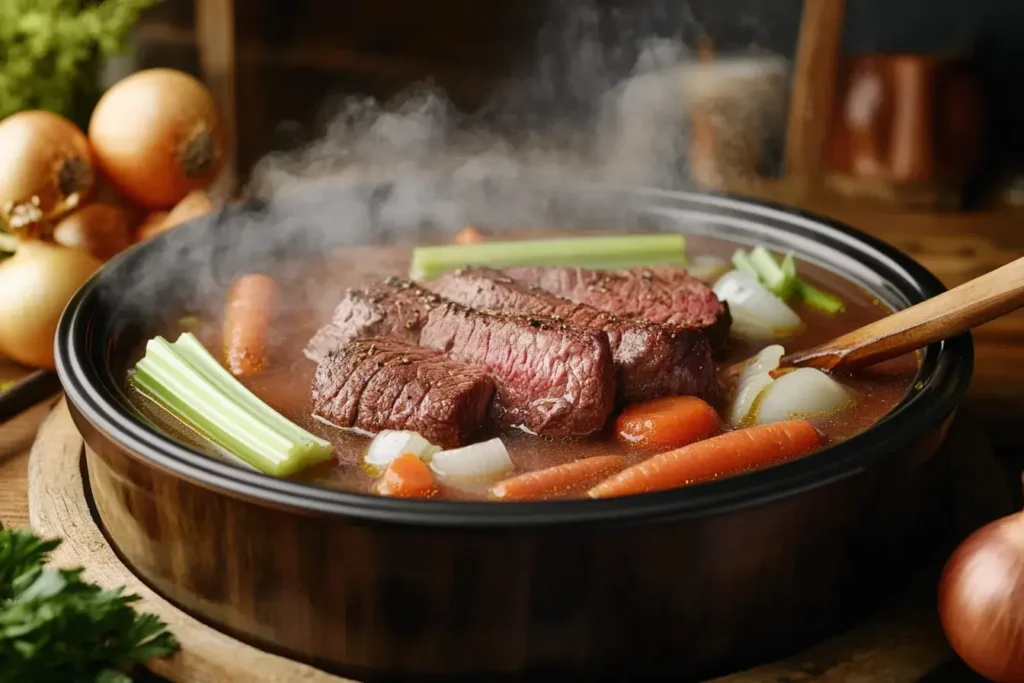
[(753, 380), (756, 312), (801, 393), (389, 444), (477, 463), (707, 268)]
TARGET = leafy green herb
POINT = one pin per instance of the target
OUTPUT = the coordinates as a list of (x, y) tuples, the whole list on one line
[(50, 51), (57, 628)]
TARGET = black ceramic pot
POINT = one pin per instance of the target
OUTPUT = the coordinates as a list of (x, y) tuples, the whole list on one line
[(684, 583)]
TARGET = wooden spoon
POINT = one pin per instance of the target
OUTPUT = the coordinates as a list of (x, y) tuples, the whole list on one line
[(963, 308)]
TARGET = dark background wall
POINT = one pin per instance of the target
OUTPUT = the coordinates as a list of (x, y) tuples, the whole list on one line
[(298, 58)]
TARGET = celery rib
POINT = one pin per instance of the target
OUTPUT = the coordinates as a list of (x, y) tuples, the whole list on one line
[(627, 251), (182, 378), (819, 299)]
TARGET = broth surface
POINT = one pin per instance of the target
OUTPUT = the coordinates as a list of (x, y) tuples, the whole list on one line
[(308, 302)]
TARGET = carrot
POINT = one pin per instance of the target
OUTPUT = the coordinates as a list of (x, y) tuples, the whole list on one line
[(543, 483), (250, 306), (406, 477), (468, 235), (667, 422), (728, 453)]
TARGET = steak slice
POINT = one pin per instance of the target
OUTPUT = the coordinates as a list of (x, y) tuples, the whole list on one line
[(374, 310), (660, 295), (651, 360), (550, 377), (376, 384)]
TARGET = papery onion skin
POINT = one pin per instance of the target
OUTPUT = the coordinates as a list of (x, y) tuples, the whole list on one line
[(157, 135), (981, 600), (103, 230), (46, 170), (35, 287)]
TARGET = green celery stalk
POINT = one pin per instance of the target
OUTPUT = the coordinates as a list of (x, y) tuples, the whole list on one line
[(819, 299), (772, 275), (626, 251), (222, 411), (743, 262)]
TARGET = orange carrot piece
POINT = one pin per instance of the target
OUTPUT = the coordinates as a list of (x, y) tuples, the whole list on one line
[(546, 482), (406, 477), (667, 422), (728, 453), (468, 235), (250, 307)]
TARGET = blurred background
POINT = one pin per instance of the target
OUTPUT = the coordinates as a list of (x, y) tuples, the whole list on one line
[(280, 68)]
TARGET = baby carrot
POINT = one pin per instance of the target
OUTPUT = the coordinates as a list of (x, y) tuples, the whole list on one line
[(542, 483), (667, 422), (406, 477), (468, 235), (728, 453), (250, 307)]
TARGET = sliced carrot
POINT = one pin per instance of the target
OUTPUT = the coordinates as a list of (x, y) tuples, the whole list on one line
[(728, 453), (468, 235), (546, 482), (406, 477), (667, 422), (250, 308)]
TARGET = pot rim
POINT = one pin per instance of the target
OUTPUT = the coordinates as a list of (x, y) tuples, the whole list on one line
[(942, 381)]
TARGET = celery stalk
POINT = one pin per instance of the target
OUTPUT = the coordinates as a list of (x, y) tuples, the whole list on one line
[(626, 251), (819, 299), (742, 262), (192, 350), (223, 409)]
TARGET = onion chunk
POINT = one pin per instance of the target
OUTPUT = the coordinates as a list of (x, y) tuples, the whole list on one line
[(391, 443), (756, 312), (801, 393), (485, 462)]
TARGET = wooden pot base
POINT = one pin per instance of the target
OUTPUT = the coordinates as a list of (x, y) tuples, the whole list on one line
[(902, 645)]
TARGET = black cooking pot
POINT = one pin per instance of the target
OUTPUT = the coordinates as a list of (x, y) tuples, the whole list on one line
[(684, 583)]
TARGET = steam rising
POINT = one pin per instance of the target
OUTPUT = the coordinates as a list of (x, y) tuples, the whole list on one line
[(416, 168)]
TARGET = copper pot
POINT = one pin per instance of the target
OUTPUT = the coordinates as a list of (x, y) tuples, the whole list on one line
[(907, 119)]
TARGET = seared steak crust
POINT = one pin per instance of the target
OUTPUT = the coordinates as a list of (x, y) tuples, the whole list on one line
[(651, 360), (376, 384), (660, 295)]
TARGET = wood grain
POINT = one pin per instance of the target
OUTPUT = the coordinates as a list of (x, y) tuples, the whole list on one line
[(58, 508), (900, 644), (813, 90), (947, 315)]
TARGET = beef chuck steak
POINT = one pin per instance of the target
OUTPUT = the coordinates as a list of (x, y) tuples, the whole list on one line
[(660, 295), (652, 360), (375, 310), (376, 384), (550, 377)]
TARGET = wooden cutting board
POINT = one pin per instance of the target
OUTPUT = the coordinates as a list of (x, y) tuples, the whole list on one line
[(902, 644)]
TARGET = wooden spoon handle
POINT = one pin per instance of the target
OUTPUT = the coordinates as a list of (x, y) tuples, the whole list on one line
[(951, 313)]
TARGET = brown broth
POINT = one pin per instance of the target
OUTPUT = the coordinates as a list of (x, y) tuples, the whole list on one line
[(285, 384)]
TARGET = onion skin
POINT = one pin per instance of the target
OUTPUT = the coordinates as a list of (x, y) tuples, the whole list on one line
[(195, 204), (981, 600), (157, 136), (46, 170), (35, 287), (103, 230)]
